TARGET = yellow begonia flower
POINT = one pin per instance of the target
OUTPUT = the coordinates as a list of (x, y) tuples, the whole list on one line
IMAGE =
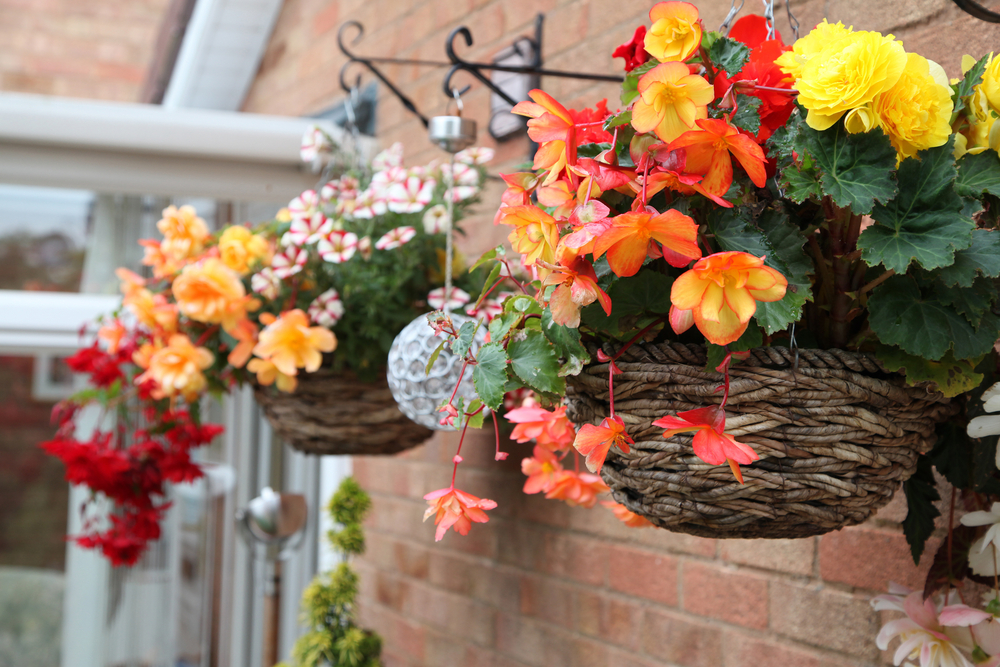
[(916, 112), (824, 34), (983, 132), (675, 34), (177, 369), (184, 233), (239, 249), (268, 374), (212, 293), (848, 74), (991, 83), (670, 100), (290, 343)]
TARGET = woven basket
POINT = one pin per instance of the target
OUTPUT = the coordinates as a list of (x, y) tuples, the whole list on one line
[(332, 412), (836, 435)]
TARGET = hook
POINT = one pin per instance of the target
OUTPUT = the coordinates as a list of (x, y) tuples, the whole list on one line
[(470, 67), (357, 38), (975, 9)]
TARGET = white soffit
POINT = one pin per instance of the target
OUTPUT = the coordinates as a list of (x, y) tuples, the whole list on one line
[(50, 321), (221, 53)]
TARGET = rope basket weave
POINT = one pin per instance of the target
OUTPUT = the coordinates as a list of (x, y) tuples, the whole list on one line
[(836, 435), (332, 412)]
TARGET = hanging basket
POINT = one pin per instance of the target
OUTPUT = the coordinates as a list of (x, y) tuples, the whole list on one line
[(332, 412), (836, 434)]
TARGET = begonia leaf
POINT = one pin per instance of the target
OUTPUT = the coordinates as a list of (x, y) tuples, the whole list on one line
[(980, 258), (856, 170), (534, 360), (635, 302), (967, 85), (952, 376), (978, 174), (497, 252), (747, 116), (729, 54), (567, 344), (434, 357), (500, 325), (490, 375), (973, 302), (630, 86), (618, 119), (924, 223), (466, 334), (918, 525), (923, 325)]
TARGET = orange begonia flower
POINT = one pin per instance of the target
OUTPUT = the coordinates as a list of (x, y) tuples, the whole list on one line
[(164, 265), (268, 374), (131, 281), (576, 287), (112, 334), (541, 469), (552, 126), (549, 429), (245, 332), (152, 310), (576, 488), (518, 192), (177, 369), (675, 33), (627, 241), (454, 508), (722, 291), (627, 516), (559, 197), (535, 233), (670, 100), (184, 233), (290, 343), (211, 292), (710, 443), (708, 153), (240, 249), (595, 441)]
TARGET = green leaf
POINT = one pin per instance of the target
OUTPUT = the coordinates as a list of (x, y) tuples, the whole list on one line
[(924, 326), (621, 118), (966, 86), (729, 54), (978, 174), (630, 86), (747, 116), (635, 302), (522, 303), (502, 324), (972, 302), (466, 334), (475, 420), (534, 360), (856, 170), (783, 141), (790, 258), (488, 285), (980, 258), (920, 496), (434, 356), (924, 222), (952, 376), (497, 252), (490, 374), (952, 454), (801, 181), (567, 343)]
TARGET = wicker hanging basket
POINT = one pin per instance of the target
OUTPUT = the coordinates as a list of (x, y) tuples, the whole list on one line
[(332, 412), (836, 435)]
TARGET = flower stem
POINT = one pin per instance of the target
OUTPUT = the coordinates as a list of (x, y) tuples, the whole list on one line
[(878, 281), (458, 453)]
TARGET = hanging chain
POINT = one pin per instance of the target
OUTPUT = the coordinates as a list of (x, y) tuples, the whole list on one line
[(792, 21), (733, 11), (449, 247), (768, 17)]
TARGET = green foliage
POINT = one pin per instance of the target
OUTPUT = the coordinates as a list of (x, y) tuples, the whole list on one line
[(490, 374), (978, 174), (952, 376), (920, 496), (980, 258), (567, 344), (966, 86), (924, 223), (630, 86), (635, 303), (855, 170), (728, 54), (334, 638), (747, 116), (534, 361)]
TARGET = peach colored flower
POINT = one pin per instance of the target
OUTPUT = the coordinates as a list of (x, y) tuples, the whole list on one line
[(268, 374), (631, 237), (453, 508), (290, 343), (550, 429), (670, 100), (577, 287), (675, 33), (152, 310), (576, 488), (131, 281), (177, 369), (112, 334), (722, 291), (240, 249), (541, 469), (164, 265), (184, 233), (595, 441), (535, 233), (211, 292), (627, 516)]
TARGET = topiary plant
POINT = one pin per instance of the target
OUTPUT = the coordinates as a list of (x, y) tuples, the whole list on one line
[(328, 607)]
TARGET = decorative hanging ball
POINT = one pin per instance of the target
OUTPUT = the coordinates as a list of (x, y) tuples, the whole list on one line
[(417, 392)]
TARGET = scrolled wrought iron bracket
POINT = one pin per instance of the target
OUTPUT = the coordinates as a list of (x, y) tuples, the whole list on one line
[(455, 63), (975, 9)]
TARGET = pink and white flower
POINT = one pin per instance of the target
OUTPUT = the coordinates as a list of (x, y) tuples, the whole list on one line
[(326, 309), (475, 155), (390, 157), (304, 206), (395, 238), (369, 205), (329, 192), (303, 231), (410, 196), (436, 219), (266, 283), (936, 641), (457, 299), (365, 247), (489, 309), (338, 247), (382, 181), (289, 261), (316, 146)]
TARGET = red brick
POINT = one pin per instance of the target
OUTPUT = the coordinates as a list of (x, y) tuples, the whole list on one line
[(732, 595), (644, 574), (578, 558), (825, 618), (549, 600), (871, 558), (411, 559), (743, 651), (609, 618), (520, 639), (791, 556), (672, 638)]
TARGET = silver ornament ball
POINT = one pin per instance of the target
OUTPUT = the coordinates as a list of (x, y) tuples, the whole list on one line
[(419, 394)]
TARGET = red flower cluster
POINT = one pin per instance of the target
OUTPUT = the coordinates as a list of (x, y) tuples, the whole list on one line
[(130, 471)]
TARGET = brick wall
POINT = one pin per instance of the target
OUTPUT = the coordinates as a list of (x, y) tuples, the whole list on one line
[(97, 49), (541, 583)]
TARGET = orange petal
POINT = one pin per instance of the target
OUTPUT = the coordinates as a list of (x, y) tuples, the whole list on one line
[(727, 330), (688, 290), (712, 302), (626, 256), (741, 302), (680, 320), (735, 467), (751, 157), (684, 11), (551, 104), (667, 73)]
